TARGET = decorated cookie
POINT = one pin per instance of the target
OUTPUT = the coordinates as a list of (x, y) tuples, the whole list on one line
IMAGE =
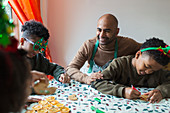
[(49, 105), (50, 99), (37, 107), (65, 110), (41, 88), (72, 97), (144, 97), (54, 110)]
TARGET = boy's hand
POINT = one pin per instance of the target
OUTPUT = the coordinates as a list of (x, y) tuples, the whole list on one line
[(64, 78), (130, 93), (93, 77), (154, 96), (32, 99), (36, 75)]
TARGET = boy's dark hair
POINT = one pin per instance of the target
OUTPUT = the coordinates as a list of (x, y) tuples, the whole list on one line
[(33, 29), (156, 54)]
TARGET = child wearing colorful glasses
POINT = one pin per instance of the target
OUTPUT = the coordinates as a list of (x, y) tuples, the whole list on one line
[(145, 69), (34, 40)]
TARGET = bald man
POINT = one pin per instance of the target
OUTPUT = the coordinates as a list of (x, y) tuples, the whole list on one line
[(101, 50)]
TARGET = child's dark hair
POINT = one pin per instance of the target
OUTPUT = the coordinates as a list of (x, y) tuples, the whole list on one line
[(33, 29), (156, 54), (14, 80)]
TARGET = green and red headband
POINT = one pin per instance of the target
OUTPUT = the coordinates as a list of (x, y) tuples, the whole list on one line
[(165, 50)]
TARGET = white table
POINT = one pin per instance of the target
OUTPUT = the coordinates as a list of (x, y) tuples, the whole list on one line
[(109, 104)]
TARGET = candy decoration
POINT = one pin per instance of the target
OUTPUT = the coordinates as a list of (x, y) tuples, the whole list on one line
[(96, 110), (97, 99)]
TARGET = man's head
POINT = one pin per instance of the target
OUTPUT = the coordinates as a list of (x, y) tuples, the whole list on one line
[(148, 61), (107, 29), (34, 37)]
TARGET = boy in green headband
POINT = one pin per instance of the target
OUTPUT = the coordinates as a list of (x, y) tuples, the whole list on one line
[(145, 69), (34, 40)]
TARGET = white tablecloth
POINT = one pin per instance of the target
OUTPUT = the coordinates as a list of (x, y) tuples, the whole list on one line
[(109, 104)]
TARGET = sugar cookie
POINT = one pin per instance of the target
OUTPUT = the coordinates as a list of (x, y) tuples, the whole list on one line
[(72, 97), (41, 88), (144, 97)]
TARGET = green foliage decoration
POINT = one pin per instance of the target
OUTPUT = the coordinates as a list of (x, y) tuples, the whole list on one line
[(6, 26)]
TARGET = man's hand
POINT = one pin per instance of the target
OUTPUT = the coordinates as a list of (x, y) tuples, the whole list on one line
[(64, 78), (93, 77), (130, 93), (154, 96), (36, 75)]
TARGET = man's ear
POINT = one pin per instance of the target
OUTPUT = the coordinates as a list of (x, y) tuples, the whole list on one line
[(117, 32), (139, 53), (22, 41)]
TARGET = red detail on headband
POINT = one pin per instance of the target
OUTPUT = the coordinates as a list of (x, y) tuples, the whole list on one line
[(168, 54), (161, 50), (166, 46)]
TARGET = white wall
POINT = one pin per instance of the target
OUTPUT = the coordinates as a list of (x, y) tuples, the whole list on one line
[(71, 22)]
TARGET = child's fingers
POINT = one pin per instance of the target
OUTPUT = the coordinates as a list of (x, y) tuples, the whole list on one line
[(97, 76), (68, 80), (61, 78), (31, 99), (100, 76), (150, 94), (146, 93), (93, 76), (136, 93), (45, 79), (156, 97), (36, 75), (158, 100), (92, 79), (65, 79), (152, 100), (128, 93)]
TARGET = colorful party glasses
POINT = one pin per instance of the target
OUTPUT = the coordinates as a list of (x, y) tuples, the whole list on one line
[(40, 45)]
